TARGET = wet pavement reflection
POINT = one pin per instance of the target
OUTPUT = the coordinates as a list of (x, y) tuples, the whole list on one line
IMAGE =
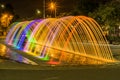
[(6, 53)]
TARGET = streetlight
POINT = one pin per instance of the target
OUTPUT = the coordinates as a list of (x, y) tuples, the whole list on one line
[(53, 7), (43, 8), (2, 6), (38, 11), (119, 30)]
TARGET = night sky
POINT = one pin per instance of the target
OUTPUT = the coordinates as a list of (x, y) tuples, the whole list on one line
[(27, 8)]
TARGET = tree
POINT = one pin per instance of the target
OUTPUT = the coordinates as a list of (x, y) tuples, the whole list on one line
[(108, 15), (6, 17)]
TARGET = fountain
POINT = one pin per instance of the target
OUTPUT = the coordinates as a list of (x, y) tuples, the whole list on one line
[(67, 40)]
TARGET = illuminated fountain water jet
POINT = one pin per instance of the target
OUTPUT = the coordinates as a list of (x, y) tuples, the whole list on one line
[(69, 40)]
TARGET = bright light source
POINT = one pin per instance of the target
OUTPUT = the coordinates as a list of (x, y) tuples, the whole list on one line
[(2, 6), (52, 6), (38, 11), (119, 27)]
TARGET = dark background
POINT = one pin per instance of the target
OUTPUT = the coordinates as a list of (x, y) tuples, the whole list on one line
[(26, 8)]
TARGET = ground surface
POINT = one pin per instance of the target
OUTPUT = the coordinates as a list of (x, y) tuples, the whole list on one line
[(13, 70), (109, 72)]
